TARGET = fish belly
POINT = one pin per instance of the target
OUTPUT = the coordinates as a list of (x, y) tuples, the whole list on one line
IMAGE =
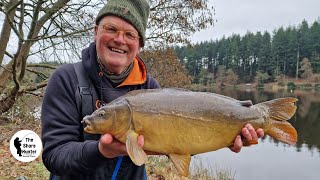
[(181, 135)]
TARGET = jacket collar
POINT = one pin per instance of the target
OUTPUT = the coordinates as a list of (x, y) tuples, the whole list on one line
[(138, 74)]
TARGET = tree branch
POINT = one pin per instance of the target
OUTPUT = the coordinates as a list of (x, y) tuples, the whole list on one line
[(14, 6), (8, 54), (49, 13), (35, 20), (61, 36), (5, 68), (14, 73), (42, 66), (10, 21), (5, 35), (42, 75), (33, 88), (21, 19)]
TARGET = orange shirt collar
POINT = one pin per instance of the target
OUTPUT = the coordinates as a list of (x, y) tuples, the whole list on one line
[(138, 74)]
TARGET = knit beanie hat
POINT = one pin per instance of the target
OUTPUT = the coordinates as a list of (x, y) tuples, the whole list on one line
[(135, 12)]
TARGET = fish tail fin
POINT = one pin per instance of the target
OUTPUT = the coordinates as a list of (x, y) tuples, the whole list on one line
[(283, 131), (280, 110)]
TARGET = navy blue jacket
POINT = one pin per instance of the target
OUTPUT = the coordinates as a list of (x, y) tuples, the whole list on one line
[(67, 154)]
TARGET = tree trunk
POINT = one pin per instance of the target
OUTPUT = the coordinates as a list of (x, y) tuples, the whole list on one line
[(297, 64), (5, 32), (9, 101)]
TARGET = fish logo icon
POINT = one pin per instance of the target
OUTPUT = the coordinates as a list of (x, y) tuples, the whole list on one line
[(25, 145)]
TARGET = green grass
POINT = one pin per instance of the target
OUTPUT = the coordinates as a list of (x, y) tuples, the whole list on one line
[(160, 167)]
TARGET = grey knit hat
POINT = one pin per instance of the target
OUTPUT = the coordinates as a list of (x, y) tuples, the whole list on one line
[(135, 12)]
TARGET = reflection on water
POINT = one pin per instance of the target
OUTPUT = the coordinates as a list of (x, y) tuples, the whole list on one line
[(271, 159), (306, 120)]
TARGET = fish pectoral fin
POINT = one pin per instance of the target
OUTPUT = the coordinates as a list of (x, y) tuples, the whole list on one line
[(138, 126), (181, 162), (136, 153)]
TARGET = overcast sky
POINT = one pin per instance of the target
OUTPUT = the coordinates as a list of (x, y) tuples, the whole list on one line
[(240, 16)]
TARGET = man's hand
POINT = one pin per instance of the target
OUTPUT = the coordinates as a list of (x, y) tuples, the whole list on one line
[(110, 147), (249, 133)]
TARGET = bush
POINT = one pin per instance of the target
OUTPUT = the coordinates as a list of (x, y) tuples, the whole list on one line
[(260, 86), (262, 78), (316, 78), (281, 84), (291, 85), (281, 80), (308, 86)]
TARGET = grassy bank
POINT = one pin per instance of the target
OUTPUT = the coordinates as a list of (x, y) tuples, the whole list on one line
[(160, 167)]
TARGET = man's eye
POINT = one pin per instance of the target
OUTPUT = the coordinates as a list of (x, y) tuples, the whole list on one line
[(111, 29), (131, 35)]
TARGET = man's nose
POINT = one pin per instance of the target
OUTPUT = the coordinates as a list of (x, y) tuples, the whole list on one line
[(120, 38)]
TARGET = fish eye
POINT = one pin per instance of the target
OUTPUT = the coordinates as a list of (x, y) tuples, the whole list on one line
[(101, 113)]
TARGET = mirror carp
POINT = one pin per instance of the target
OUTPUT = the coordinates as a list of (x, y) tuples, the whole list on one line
[(180, 123)]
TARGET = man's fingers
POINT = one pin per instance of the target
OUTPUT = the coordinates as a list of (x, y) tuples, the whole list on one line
[(237, 144), (260, 132), (111, 147), (252, 132), (246, 134), (106, 139), (140, 141)]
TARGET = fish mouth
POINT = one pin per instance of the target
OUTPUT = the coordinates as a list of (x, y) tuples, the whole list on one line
[(86, 124)]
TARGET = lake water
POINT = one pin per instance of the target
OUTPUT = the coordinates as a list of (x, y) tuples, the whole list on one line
[(271, 159)]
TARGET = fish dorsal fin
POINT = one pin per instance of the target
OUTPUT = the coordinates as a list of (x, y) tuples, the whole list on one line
[(246, 103), (181, 162), (136, 153), (283, 131)]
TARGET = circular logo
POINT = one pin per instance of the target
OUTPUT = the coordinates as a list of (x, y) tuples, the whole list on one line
[(25, 145)]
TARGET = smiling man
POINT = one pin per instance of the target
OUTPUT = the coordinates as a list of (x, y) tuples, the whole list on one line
[(117, 43), (110, 67)]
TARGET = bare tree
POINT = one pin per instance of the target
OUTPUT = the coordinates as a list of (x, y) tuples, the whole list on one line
[(306, 69), (220, 75), (30, 29), (231, 77), (35, 31), (174, 21), (164, 65)]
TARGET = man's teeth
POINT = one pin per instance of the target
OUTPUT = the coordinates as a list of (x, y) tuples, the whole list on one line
[(117, 50)]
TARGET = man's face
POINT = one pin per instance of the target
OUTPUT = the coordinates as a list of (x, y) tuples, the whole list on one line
[(116, 43)]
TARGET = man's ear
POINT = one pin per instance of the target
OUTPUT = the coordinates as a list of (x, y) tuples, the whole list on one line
[(140, 49), (95, 32)]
